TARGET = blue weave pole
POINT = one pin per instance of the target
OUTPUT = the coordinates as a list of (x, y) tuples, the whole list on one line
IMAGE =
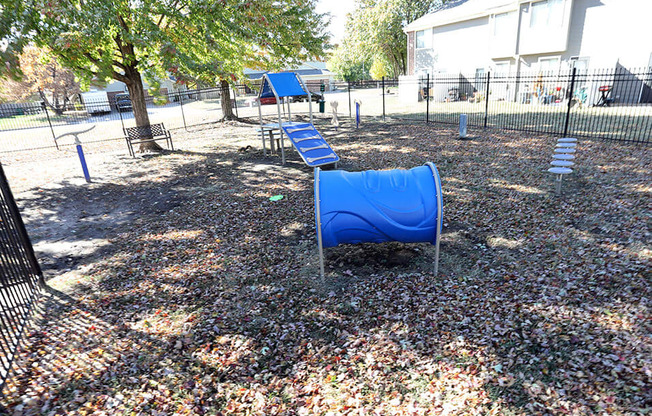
[(357, 114), (82, 159), (80, 151), (463, 124)]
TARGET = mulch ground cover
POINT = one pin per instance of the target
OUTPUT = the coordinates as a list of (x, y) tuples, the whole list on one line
[(205, 297)]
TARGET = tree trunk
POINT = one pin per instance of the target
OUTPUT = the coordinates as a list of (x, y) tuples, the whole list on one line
[(57, 110), (139, 106), (225, 94)]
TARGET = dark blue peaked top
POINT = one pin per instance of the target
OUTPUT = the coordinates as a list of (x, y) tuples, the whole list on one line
[(286, 84)]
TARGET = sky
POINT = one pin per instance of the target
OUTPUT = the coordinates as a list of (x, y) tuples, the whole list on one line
[(338, 10)]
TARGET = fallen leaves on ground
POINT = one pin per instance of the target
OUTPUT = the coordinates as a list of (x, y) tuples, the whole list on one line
[(212, 305)]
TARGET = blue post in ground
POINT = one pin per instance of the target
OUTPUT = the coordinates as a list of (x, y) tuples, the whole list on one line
[(357, 114), (82, 159), (463, 124), (80, 151)]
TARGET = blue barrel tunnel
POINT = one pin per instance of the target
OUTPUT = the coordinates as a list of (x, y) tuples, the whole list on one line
[(378, 206)]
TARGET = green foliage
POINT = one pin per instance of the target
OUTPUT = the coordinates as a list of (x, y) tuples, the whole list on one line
[(192, 40), (374, 35), (379, 69), (347, 65)]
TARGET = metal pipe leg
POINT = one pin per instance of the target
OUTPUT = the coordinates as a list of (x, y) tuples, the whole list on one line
[(558, 188), (318, 223)]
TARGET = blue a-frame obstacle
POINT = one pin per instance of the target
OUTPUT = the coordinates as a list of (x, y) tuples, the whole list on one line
[(304, 137)]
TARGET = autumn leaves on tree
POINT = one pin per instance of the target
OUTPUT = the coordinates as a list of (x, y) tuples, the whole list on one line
[(194, 40)]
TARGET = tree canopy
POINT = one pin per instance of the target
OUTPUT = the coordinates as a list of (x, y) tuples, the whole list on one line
[(43, 77), (374, 37), (206, 40)]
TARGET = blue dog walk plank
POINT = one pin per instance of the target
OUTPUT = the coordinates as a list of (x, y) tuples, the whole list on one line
[(310, 144)]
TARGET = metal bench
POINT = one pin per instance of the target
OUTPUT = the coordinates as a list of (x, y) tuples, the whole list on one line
[(145, 134)]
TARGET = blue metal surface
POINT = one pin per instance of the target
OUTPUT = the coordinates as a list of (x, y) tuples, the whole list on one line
[(286, 84), (310, 144), (379, 206), (357, 115), (82, 159), (463, 125)]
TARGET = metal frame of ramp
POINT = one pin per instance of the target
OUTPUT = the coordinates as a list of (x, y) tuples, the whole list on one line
[(311, 146)]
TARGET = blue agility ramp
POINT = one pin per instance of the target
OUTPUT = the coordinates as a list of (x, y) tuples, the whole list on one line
[(378, 206), (310, 145)]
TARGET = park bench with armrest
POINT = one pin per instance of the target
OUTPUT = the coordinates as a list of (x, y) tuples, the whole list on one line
[(145, 134)]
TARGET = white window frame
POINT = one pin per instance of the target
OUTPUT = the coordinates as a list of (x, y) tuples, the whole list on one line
[(504, 62), (416, 39), (495, 22), (548, 12), (426, 33), (550, 58), (574, 59)]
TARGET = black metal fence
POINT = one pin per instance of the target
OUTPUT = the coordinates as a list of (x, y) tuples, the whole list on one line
[(613, 104), (20, 278), (178, 110)]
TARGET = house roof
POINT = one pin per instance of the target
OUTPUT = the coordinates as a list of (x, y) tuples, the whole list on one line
[(303, 70), (461, 10)]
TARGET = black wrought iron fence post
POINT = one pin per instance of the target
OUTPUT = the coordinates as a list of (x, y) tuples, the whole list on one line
[(427, 95), (20, 227), (486, 100), (570, 101), (20, 279), (183, 114), (122, 122), (47, 114), (383, 84)]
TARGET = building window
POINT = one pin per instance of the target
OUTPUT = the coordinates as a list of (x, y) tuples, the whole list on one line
[(424, 39), (501, 68), (420, 40), (547, 13), (579, 63), (504, 24), (550, 64)]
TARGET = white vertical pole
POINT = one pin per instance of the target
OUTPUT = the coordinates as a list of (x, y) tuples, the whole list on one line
[(440, 209), (463, 124), (309, 95), (262, 131), (318, 222), (280, 128)]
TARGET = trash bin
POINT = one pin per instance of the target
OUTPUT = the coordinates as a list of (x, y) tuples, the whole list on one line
[(322, 105)]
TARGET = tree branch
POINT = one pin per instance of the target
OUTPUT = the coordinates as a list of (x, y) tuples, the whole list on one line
[(119, 65), (172, 6), (120, 77), (91, 58)]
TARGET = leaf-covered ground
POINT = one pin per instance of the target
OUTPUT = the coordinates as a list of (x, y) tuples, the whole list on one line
[(206, 298)]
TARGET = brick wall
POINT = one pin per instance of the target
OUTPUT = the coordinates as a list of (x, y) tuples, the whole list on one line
[(410, 53)]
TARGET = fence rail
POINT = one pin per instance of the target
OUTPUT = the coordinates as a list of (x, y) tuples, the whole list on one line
[(614, 104), (611, 104), (20, 278)]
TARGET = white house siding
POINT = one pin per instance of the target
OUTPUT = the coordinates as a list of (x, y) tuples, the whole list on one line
[(551, 34), (611, 31), (588, 34), (503, 29), (462, 46)]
